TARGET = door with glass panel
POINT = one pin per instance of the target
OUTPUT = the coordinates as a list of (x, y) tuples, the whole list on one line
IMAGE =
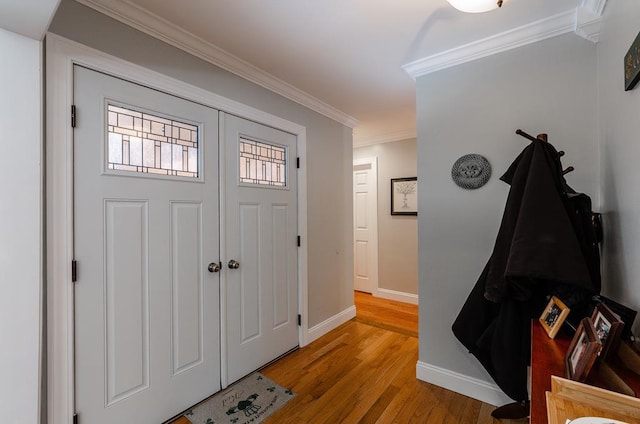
[(260, 244), (146, 228)]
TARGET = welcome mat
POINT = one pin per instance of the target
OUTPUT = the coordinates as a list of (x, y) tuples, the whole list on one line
[(250, 400)]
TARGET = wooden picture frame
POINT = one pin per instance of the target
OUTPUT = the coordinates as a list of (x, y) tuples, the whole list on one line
[(404, 196), (582, 352), (632, 65), (553, 316), (608, 327)]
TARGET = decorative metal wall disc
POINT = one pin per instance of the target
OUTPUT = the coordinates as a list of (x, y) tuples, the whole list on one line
[(471, 171)]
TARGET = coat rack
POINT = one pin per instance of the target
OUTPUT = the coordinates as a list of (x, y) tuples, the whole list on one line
[(544, 138)]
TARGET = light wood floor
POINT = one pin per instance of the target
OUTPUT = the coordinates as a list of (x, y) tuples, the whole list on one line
[(365, 372)]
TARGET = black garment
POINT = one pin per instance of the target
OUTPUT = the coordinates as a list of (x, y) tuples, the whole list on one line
[(542, 248)]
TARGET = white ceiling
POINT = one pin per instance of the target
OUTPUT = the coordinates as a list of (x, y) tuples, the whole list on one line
[(344, 58)]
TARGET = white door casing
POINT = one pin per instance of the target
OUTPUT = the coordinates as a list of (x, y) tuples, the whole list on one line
[(61, 56), (146, 307), (365, 225), (260, 233)]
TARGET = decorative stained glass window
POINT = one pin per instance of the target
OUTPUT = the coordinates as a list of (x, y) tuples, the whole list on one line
[(146, 143), (262, 163)]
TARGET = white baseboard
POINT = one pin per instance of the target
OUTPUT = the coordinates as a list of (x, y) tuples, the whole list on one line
[(332, 323), (396, 295), (463, 384)]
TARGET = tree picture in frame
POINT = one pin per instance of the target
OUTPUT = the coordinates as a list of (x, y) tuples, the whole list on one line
[(404, 196)]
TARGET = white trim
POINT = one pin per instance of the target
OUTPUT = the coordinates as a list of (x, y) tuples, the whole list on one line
[(303, 256), (59, 250), (62, 54), (384, 138), (157, 27), (330, 324), (543, 29), (588, 24), (398, 296), (463, 384), (596, 7)]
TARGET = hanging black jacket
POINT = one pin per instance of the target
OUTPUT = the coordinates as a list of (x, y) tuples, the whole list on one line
[(542, 249)]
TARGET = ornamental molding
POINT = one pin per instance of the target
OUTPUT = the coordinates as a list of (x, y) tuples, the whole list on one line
[(158, 27), (584, 21)]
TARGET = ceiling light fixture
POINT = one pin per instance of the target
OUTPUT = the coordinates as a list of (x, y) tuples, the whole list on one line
[(475, 6)]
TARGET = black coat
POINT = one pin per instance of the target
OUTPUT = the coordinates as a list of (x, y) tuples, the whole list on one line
[(545, 246)]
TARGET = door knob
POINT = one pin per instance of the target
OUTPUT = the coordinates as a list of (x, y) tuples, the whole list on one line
[(214, 267), (233, 264)]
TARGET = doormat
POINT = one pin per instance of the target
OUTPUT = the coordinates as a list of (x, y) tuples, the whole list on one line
[(250, 400)]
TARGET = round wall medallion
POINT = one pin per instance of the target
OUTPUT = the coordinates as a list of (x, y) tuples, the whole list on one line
[(471, 171)]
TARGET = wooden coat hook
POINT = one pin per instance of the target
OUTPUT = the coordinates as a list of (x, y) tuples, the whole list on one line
[(540, 137)]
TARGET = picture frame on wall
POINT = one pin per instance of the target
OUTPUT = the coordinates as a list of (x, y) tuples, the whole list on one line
[(582, 352), (608, 327), (632, 65), (553, 316), (404, 196)]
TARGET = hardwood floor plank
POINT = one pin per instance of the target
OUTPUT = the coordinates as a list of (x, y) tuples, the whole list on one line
[(365, 372)]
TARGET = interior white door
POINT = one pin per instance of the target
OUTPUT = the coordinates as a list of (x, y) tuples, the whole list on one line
[(146, 225), (365, 225), (260, 233)]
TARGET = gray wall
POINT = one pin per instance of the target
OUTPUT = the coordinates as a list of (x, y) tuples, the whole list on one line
[(549, 86), (21, 235), (619, 151), (397, 235), (328, 144)]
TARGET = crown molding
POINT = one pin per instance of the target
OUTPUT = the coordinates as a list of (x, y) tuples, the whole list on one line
[(384, 138), (543, 29), (158, 27), (587, 24), (596, 7), (584, 21), (589, 18)]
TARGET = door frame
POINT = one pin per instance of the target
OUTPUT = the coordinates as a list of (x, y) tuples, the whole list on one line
[(61, 55), (372, 162)]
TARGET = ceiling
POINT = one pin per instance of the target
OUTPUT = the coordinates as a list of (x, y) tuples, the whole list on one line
[(345, 58)]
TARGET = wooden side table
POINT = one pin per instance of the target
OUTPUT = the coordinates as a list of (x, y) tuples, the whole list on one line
[(547, 359)]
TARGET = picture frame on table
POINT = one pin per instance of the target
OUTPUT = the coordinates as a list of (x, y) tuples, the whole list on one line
[(608, 327), (404, 196), (582, 352), (553, 316)]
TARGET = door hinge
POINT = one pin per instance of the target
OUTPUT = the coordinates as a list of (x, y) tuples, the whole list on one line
[(74, 271), (298, 163), (73, 116), (299, 241), (299, 319), (75, 418)]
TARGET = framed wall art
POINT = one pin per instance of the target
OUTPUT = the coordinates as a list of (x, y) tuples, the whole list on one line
[(404, 196), (632, 65), (583, 351), (553, 316)]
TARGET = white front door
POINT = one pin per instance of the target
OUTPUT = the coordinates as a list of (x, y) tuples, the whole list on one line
[(365, 225), (145, 229), (260, 233)]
